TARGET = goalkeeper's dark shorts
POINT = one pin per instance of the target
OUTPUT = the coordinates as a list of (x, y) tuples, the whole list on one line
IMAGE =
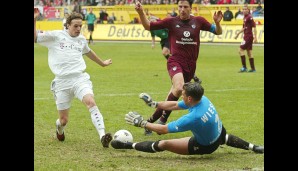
[(164, 43), (90, 27), (195, 148)]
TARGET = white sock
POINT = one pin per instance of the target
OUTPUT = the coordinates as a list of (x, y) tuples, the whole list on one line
[(250, 146), (133, 145), (59, 127), (97, 120)]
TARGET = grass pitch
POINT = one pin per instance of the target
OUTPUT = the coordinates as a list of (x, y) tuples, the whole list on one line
[(136, 68)]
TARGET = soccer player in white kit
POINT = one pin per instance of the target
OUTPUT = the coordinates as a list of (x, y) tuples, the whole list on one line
[(65, 58)]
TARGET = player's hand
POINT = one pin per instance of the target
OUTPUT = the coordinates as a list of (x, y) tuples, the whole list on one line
[(148, 100), (133, 118), (107, 62), (236, 36), (138, 6), (217, 16)]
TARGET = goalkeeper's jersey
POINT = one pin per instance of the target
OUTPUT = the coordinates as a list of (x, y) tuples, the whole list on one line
[(65, 53), (162, 33), (202, 120)]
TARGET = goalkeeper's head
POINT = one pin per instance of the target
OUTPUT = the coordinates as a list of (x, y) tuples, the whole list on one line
[(194, 90)]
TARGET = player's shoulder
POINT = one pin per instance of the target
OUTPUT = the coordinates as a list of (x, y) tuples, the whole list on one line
[(170, 18), (200, 18), (249, 17), (205, 99), (54, 32), (81, 36)]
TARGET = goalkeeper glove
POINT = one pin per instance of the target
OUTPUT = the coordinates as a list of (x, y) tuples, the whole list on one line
[(148, 100), (133, 118)]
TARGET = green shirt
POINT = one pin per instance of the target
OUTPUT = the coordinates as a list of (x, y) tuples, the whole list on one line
[(162, 33), (90, 18)]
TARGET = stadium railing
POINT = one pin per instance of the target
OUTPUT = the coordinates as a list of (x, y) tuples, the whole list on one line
[(128, 12)]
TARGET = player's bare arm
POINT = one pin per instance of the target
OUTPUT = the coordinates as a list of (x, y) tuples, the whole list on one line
[(158, 128), (168, 105), (237, 34), (96, 59), (255, 35), (217, 18), (144, 20), (153, 42), (134, 118)]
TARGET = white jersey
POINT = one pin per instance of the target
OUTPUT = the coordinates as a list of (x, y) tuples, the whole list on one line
[(63, 22), (65, 55)]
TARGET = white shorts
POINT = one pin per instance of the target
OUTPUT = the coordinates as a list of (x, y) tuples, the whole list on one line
[(65, 90)]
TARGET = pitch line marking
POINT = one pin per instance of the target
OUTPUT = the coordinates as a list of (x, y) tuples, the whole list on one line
[(135, 94)]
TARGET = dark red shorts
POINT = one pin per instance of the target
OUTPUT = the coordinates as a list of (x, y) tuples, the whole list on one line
[(246, 44), (174, 67)]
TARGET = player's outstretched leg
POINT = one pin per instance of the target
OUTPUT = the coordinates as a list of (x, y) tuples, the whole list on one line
[(121, 145), (237, 142), (145, 146)]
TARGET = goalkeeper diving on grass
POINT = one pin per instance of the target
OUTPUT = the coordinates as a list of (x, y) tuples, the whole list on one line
[(202, 120)]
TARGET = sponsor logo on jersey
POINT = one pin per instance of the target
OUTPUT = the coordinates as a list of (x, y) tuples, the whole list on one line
[(186, 33)]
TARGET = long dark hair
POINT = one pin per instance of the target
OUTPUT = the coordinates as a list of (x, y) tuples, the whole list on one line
[(72, 16)]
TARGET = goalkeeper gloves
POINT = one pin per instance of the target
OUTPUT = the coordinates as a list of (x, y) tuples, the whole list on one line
[(133, 118), (148, 100)]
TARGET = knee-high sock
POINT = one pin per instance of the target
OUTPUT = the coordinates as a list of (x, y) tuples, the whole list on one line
[(147, 146), (252, 63), (97, 120), (167, 113), (237, 142), (156, 115), (243, 61)]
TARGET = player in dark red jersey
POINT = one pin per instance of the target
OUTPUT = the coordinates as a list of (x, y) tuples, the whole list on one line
[(184, 36), (249, 26)]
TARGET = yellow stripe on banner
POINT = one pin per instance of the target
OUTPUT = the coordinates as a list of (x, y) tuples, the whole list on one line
[(137, 32)]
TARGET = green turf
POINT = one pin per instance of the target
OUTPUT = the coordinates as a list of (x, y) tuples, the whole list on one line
[(136, 68)]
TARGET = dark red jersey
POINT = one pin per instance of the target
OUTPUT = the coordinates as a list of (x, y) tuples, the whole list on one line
[(184, 37), (248, 24)]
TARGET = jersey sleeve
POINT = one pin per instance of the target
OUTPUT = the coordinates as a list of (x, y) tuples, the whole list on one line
[(252, 22), (206, 26), (182, 105), (183, 124), (86, 48), (160, 24), (46, 38), (152, 33)]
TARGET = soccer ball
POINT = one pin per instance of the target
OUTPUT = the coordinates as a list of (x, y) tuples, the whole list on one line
[(123, 136)]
